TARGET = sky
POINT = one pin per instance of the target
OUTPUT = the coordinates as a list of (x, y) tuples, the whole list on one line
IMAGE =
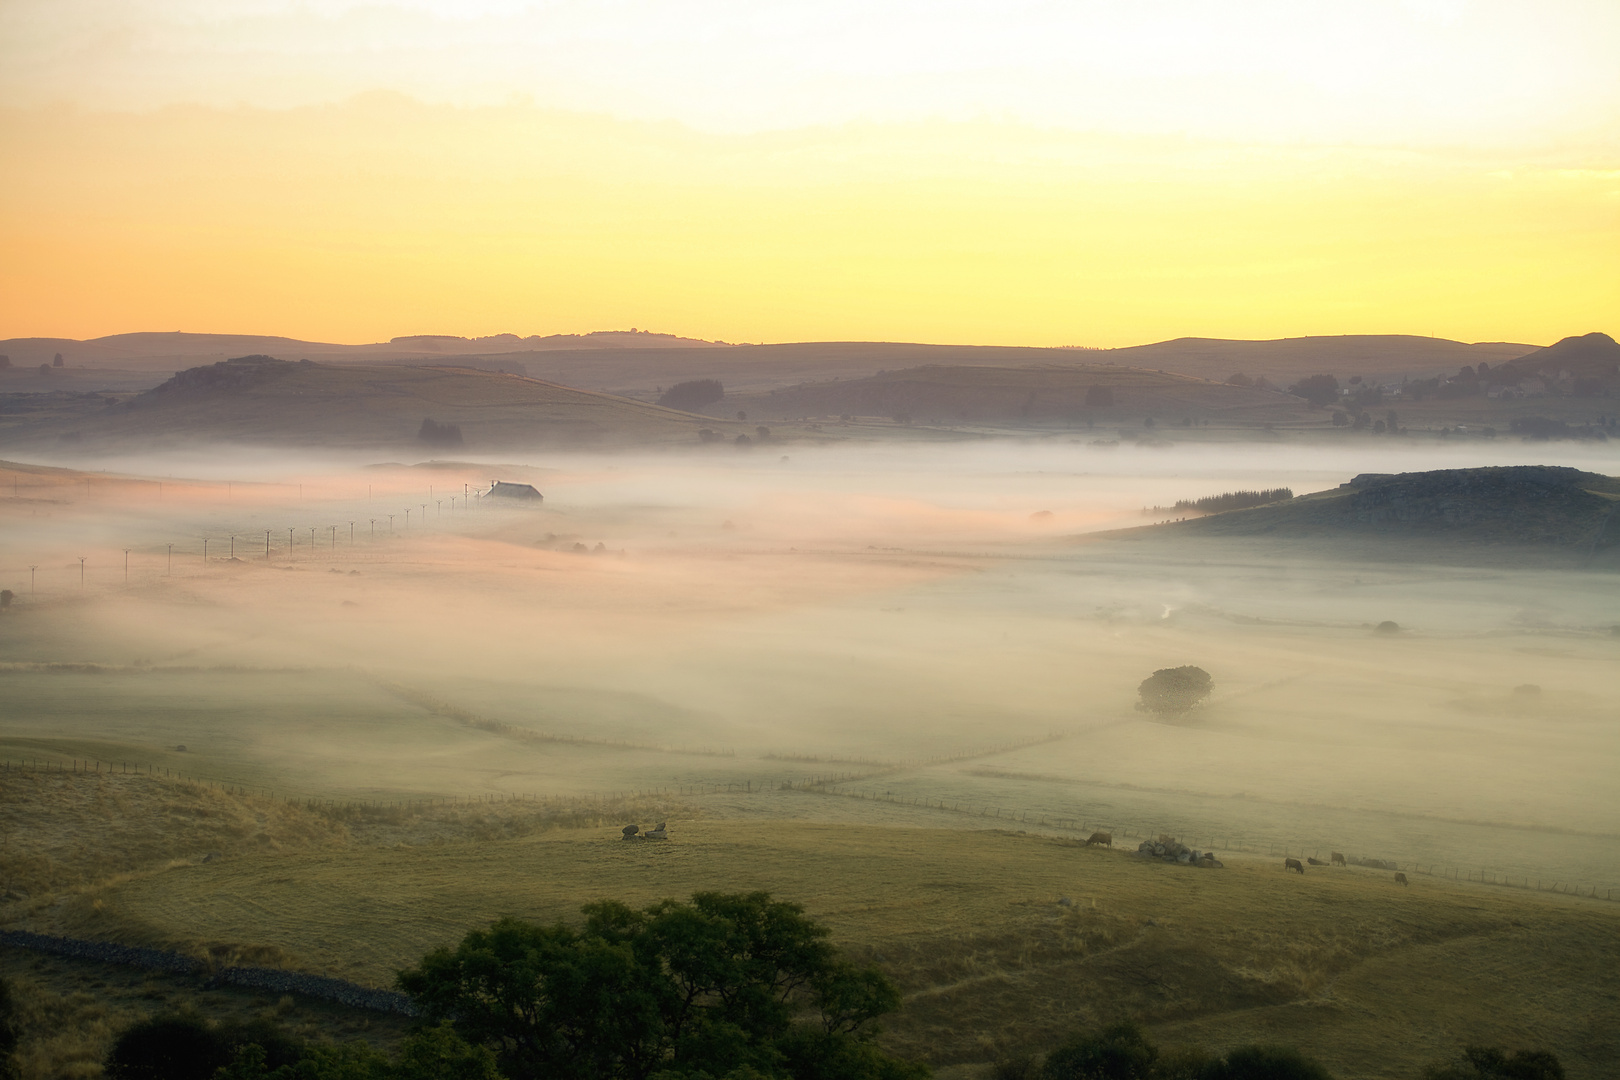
[(1042, 173)]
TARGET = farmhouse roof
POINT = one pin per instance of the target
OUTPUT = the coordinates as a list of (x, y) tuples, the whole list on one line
[(506, 490)]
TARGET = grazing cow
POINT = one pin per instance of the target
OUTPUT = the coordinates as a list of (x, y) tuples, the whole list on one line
[(1103, 838), (1400, 879), (1293, 864), (1316, 862), (1336, 859)]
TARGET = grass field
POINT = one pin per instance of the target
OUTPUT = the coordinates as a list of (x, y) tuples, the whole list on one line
[(1372, 978)]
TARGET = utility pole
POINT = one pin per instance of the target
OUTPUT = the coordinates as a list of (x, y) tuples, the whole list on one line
[(333, 528), (351, 534), (31, 569), (312, 538), (267, 545), (233, 549), (374, 528), (126, 566), (81, 571), (407, 519), (289, 545), (205, 551)]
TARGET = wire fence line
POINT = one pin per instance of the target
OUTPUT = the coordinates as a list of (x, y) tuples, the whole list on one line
[(604, 802)]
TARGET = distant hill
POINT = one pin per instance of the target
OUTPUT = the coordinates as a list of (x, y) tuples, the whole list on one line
[(1287, 360), (1092, 393), (1536, 505), (639, 364), (262, 400), (1590, 356)]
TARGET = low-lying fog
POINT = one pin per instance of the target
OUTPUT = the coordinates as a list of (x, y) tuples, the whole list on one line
[(721, 617)]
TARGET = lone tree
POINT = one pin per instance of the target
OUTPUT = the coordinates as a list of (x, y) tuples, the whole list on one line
[(1173, 691), (436, 434), (727, 984), (1317, 389), (692, 395)]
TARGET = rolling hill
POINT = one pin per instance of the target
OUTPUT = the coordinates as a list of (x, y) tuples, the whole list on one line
[(1091, 394), (639, 363), (1517, 506), (257, 399)]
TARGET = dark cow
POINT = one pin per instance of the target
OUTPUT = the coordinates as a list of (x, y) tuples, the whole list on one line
[(1103, 838), (1336, 859), (1316, 862), (631, 830), (1293, 864), (1400, 879)]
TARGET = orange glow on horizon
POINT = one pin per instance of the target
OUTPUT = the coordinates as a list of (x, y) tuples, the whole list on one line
[(384, 216)]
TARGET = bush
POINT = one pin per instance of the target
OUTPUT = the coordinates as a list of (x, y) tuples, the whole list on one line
[(1489, 1063), (1172, 691), (174, 1047), (9, 1035), (1120, 1052), (692, 395), (1264, 1063)]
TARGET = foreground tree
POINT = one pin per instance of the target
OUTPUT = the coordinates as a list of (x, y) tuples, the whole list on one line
[(1173, 691), (725, 984)]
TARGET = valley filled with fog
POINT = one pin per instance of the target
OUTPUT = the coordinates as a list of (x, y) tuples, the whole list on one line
[(932, 633)]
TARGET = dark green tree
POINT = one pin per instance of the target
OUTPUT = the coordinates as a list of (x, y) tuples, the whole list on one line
[(1173, 691), (1264, 1063), (1120, 1052), (721, 984), (10, 1033), (175, 1047), (1317, 389)]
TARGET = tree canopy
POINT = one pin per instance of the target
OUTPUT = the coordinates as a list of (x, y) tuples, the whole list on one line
[(725, 984), (1173, 691)]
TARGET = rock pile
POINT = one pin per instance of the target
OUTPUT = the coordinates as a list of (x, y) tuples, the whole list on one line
[(1171, 850)]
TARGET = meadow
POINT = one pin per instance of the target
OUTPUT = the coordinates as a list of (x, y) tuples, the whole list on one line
[(892, 682)]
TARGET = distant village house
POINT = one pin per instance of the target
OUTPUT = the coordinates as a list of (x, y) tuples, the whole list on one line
[(500, 489)]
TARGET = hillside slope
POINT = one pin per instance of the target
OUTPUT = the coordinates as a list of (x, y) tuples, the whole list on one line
[(263, 400), (1092, 394), (1539, 505)]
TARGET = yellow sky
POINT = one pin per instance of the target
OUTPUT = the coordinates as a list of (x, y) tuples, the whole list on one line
[(768, 172)]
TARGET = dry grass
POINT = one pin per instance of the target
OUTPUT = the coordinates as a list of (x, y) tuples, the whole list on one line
[(1372, 978), (72, 1010)]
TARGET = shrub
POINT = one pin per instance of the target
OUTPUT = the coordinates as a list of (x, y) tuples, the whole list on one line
[(9, 1035), (174, 1047), (1264, 1063), (1173, 691), (692, 395), (1120, 1052)]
